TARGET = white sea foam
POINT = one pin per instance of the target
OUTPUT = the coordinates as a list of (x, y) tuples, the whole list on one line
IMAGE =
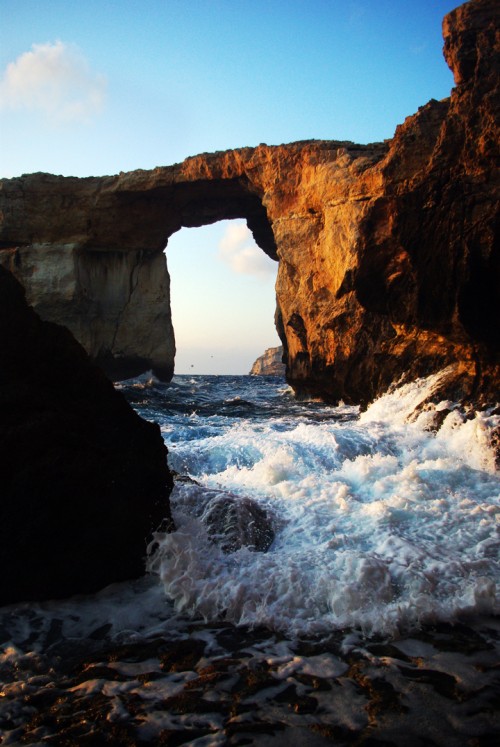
[(380, 523)]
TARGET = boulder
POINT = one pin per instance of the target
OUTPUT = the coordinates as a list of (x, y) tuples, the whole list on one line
[(83, 479), (233, 522)]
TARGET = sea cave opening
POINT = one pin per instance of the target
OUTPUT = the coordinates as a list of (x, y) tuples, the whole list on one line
[(223, 300)]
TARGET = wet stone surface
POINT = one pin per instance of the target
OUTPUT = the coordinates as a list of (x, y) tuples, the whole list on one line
[(220, 685)]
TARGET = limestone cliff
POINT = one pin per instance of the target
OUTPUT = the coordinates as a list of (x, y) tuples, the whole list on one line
[(116, 303), (420, 289), (270, 363), (83, 480), (389, 255)]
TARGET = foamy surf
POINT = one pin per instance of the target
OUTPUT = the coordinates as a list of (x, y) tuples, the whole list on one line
[(380, 524)]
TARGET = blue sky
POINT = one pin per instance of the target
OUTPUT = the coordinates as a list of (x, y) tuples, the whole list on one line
[(102, 86)]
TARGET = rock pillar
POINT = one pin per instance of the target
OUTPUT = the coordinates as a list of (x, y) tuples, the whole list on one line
[(116, 303)]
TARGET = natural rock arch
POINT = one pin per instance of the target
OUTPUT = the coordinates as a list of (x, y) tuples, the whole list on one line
[(90, 251), (389, 265), (389, 254)]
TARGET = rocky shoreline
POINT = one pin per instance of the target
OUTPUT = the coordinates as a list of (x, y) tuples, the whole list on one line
[(221, 685), (389, 267)]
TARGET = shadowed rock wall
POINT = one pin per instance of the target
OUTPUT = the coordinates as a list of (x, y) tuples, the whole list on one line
[(83, 479), (388, 253), (116, 303)]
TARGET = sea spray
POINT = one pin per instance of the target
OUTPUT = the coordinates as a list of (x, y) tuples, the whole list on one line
[(381, 524)]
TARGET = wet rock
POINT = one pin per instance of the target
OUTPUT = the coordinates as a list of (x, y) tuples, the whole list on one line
[(185, 655), (233, 523), (83, 479), (433, 699)]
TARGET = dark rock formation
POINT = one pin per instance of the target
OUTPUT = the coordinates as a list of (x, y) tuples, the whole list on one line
[(83, 480), (116, 303), (389, 254), (233, 523), (270, 363)]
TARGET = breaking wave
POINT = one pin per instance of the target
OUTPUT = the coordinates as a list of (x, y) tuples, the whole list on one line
[(378, 521)]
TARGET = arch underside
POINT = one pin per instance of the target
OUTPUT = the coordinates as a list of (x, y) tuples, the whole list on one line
[(111, 286), (207, 202)]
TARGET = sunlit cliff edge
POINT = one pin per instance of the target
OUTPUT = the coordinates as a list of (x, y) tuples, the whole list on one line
[(269, 363)]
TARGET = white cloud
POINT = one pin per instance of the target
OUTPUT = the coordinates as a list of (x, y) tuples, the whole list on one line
[(56, 80), (238, 249)]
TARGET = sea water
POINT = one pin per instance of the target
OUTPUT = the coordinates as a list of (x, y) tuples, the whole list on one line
[(376, 524), (380, 523)]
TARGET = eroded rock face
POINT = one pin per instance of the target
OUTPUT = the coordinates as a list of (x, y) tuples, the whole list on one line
[(116, 303), (410, 285), (388, 253), (270, 363), (83, 480)]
